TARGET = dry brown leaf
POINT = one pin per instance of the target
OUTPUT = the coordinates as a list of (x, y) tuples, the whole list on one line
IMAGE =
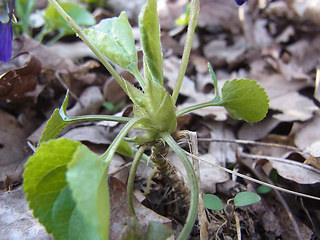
[(19, 85), (292, 170), (16, 219), (308, 9), (13, 149), (119, 210), (93, 134), (295, 171), (210, 175), (294, 107), (308, 133), (171, 67), (90, 102), (256, 131), (219, 14), (220, 54)]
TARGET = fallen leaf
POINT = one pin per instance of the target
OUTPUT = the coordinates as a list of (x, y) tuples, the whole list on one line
[(13, 149), (259, 130), (294, 107), (19, 85), (119, 210), (219, 14), (220, 54), (16, 219), (90, 102), (308, 133)]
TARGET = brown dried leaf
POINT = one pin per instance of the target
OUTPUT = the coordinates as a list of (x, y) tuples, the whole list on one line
[(119, 210), (13, 149), (16, 219), (308, 133), (18, 85), (219, 14), (294, 107)]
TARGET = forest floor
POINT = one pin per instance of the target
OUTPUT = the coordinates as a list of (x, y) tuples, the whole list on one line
[(276, 43)]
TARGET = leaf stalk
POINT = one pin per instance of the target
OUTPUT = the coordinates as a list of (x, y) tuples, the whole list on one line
[(194, 12)]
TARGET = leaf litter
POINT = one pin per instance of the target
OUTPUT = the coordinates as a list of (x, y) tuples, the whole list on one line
[(276, 44)]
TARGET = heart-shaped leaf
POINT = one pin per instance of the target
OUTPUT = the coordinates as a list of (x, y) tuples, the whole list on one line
[(244, 99), (87, 176), (246, 198), (51, 197)]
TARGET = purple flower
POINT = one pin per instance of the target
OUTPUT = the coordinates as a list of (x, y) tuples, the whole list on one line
[(241, 2), (6, 35)]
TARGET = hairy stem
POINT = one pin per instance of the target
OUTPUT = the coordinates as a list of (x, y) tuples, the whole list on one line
[(194, 198), (195, 107), (131, 177), (194, 12)]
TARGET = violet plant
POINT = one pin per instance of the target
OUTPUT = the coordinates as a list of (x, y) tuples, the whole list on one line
[(66, 184)]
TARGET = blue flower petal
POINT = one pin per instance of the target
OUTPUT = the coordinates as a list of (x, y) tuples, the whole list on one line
[(5, 41), (240, 2)]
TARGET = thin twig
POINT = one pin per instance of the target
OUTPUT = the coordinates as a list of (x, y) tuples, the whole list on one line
[(255, 180), (203, 221), (248, 142), (281, 160)]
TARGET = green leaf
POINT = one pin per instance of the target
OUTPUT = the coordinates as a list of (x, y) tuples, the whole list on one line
[(125, 149), (217, 97), (164, 119), (273, 176), (244, 99), (160, 115), (246, 198), (212, 202), (46, 187), (158, 231), (262, 189), (57, 204), (113, 38), (150, 40), (183, 19), (23, 9), (54, 21), (87, 176), (56, 123)]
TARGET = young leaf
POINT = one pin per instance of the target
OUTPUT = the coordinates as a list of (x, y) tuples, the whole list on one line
[(46, 187), (113, 38), (158, 231), (87, 176), (217, 97), (244, 99), (246, 198), (125, 149), (56, 123), (150, 40), (212, 202), (54, 21)]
